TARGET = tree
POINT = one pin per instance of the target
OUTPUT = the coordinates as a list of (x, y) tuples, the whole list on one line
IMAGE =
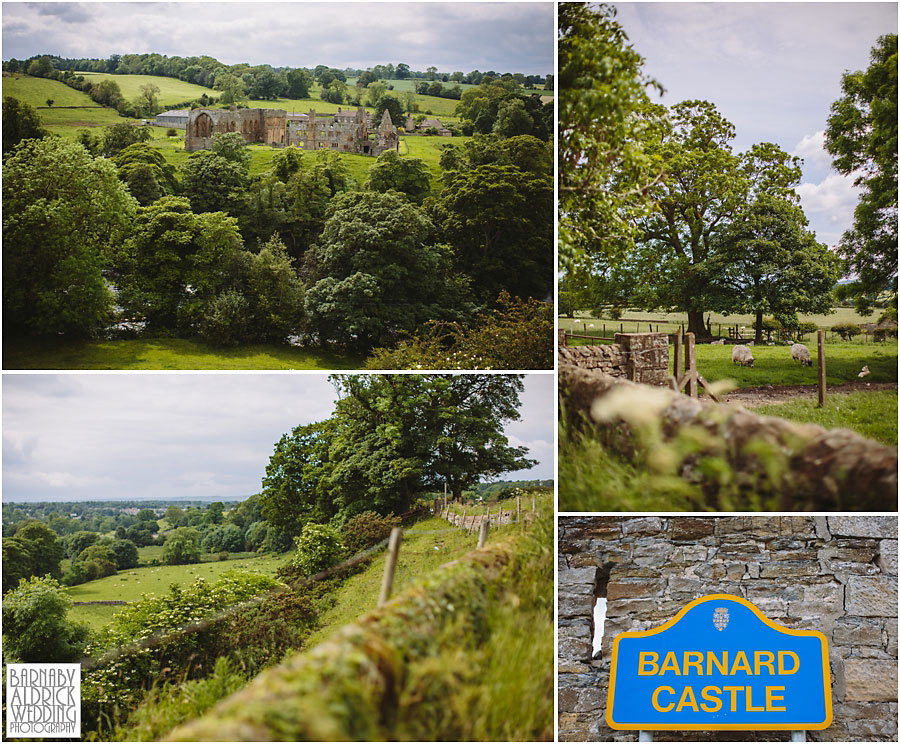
[(378, 272), (45, 548), (512, 119), (318, 547), (20, 122), (40, 66), (213, 183), (231, 146), (603, 173), (232, 87), (292, 492), (119, 136), (397, 434), (274, 293), (35, 628), (49, 103), (98, 561), (862, 138), (335, 92), (393, 106), (182, 546), (499, 220), (175, 262), (402, 71), (298, 83), (17, 561), (174, 516), (149, 97), (125, 552), (146, 172), (769, 263), (78, 541), (409, 176), (704, 188)]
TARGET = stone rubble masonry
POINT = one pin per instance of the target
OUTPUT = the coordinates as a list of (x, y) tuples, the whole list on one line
[(641, 357), (808, 572), (835, 470)]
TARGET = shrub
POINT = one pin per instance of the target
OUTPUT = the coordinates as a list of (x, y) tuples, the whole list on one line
[(846, 330), (170, 132), (889, 314), (805, 328), (35, 628), (226, 320), (318, 547), (182, 546), (366, 529)]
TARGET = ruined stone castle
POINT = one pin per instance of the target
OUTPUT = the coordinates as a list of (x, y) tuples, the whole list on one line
[(343, 131)]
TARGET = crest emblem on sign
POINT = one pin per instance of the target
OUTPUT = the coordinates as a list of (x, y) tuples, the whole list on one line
[(720, 617)]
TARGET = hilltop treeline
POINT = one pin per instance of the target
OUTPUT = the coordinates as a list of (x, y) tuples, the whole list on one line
[(263, 81)]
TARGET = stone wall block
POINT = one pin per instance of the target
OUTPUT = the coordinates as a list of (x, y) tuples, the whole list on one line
[(870, 679), (872, 596), (887, 557), (642, 526), (858, 526), (618, 589)]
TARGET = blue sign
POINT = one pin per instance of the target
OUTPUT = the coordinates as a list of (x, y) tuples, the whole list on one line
[(719, 664)]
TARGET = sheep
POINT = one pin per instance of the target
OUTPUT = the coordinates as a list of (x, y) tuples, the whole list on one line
[(864, 372), (801, 354), (720, 341), (742, 355)]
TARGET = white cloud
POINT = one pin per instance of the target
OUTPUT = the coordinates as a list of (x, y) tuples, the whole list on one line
[(835, 198), (812, 149)]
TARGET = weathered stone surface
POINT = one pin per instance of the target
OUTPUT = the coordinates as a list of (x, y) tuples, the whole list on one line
[(575, 605), (887, 557), (578, 576), (800, 576), (642, 526), (859, 526), (870, 680), (872, 596)]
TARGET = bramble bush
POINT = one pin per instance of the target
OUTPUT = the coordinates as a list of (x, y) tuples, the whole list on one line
[(318, 547), (366, 529)]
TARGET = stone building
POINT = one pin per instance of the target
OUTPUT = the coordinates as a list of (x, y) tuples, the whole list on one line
[(834, 574), (343, 131), (175, 119)]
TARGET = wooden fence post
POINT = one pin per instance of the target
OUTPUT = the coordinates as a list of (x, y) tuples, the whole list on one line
[(677, 357), (533, 508), (821, 348), (463, 522), (482, 533), (690, 366), (518, 509), (390, 565)]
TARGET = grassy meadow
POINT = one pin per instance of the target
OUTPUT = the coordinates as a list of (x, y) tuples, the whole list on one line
[(131, 583), (871, 414), (167, 353), (638, 321)]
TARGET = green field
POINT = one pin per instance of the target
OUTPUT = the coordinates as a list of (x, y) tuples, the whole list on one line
[(638, 321), (36, 91), (773, 365), (130, 584), (872, 414), (171, 90), (170, 353)]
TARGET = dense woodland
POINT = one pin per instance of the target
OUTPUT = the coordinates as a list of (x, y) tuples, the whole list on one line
[(103, 236)]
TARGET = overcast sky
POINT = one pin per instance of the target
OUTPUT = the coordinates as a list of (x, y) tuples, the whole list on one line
[(505, 37), (133, 436), (773, 70)]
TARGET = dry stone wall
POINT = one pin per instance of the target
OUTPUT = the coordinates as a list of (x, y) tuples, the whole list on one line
[(835, 574), (641, 357)]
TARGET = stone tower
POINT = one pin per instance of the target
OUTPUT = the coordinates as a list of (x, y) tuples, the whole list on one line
[(386, 136)]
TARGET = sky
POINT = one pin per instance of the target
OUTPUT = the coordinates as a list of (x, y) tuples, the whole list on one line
[(773, 70), (103, 436), (504, 37)]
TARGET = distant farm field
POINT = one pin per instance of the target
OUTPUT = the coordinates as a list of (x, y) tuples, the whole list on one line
[(638, 321), (35, 92), (171, 90), (130, 584)]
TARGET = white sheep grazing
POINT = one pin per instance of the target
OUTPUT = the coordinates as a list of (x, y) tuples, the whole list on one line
[(801, 354), (720, 341), (742, 355)]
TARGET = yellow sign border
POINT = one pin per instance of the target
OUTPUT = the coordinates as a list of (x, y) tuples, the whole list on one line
[(826, 677)]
